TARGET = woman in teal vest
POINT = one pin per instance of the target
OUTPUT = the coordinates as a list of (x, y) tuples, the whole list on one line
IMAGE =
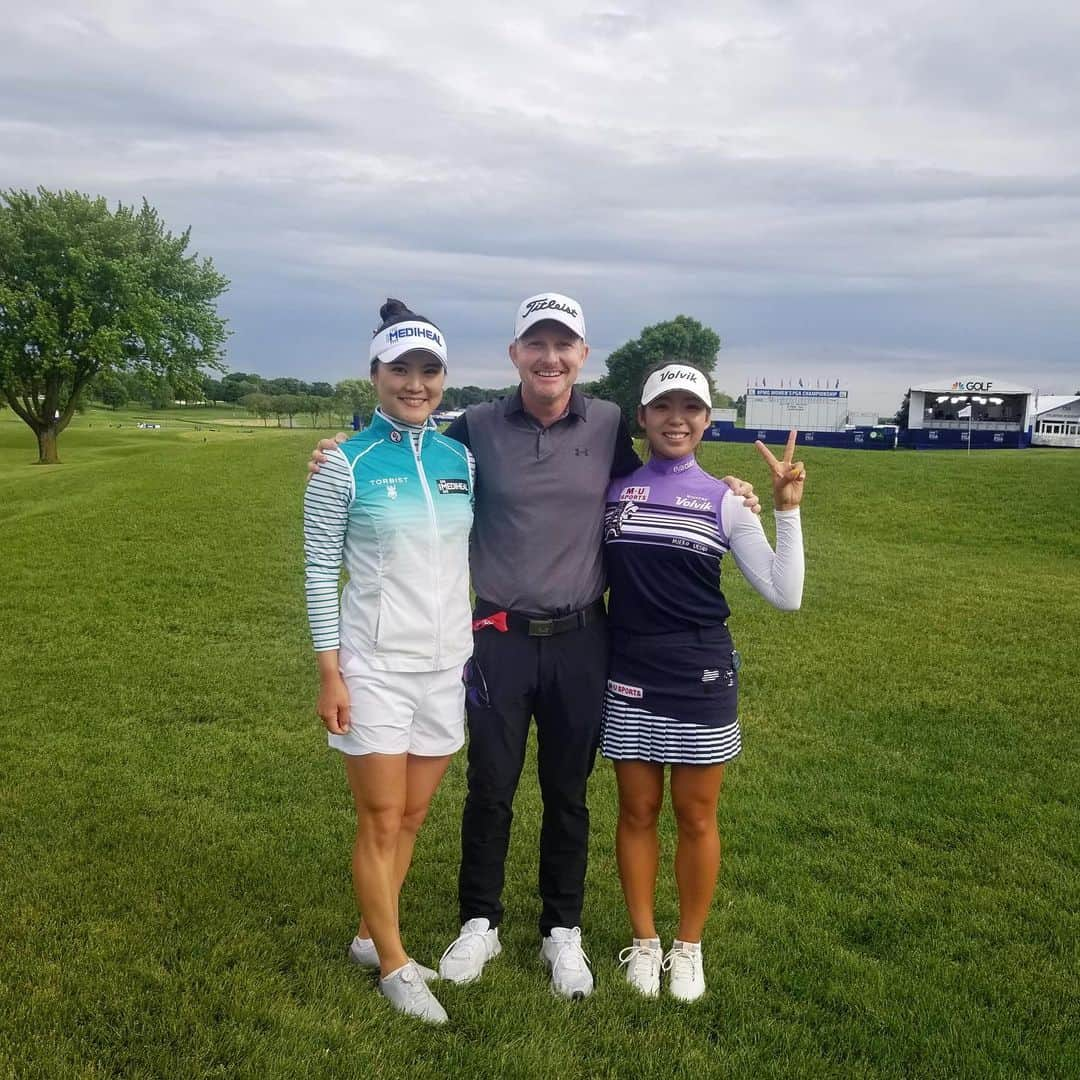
[(393, 507)]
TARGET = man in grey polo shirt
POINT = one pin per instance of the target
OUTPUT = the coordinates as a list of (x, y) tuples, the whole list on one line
[(544, 457)]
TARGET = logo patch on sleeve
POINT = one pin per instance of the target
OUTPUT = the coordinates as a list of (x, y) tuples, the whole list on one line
[(624, 689), (452, 487), (635, 494)]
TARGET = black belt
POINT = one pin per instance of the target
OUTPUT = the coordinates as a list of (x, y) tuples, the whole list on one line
[(536, 626)]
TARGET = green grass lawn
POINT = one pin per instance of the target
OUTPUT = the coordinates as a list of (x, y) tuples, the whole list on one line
[(901, 887)]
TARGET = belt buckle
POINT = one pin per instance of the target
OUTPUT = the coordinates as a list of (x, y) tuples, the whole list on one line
[(541, 627)]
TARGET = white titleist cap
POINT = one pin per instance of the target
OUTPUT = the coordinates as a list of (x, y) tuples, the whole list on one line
[(549, 305), (676, 377), (387, 345)]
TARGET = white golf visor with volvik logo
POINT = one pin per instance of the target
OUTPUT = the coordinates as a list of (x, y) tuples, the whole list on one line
[(677, 377), (394, 341)]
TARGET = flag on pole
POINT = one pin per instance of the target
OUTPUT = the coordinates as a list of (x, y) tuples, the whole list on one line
[(965, 414)]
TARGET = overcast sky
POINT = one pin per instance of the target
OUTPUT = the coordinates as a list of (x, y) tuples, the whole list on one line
[(880, 196)]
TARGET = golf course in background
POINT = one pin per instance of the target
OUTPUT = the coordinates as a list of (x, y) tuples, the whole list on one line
[(900, 895)]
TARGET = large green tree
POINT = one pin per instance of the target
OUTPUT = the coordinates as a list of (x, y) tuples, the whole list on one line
[(86, 289), (682, 338)]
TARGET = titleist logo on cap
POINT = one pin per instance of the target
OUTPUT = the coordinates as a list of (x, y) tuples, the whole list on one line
[(547, 303), (553, 307)]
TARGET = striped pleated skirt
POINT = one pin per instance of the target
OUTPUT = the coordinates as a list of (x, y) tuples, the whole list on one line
[(672, 699), (632, 734)]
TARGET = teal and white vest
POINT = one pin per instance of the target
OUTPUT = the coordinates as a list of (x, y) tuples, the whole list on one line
[(394, 506)]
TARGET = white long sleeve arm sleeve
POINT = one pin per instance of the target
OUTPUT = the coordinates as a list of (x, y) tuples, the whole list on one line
[(777, 576), (327, 498)]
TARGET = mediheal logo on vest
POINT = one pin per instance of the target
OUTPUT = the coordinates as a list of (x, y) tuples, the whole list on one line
[(973, 384)]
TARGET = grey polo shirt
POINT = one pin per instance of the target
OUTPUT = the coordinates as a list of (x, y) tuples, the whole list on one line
[(538, 521)]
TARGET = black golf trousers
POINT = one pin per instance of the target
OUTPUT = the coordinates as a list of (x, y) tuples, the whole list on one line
[(560, 681)]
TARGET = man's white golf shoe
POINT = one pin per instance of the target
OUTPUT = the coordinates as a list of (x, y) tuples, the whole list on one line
[(643, 961), (467, 954), (571, 976), (406, 990)]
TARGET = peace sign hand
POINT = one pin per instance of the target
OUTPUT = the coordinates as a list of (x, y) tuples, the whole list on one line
[(787, 476)]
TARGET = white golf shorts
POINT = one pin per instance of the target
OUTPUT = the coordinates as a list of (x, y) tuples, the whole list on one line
[(401, 712)]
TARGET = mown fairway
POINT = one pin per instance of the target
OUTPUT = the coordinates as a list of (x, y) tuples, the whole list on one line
[(901, 885)]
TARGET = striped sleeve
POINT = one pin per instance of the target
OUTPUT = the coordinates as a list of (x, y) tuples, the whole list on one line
[(329, 494)]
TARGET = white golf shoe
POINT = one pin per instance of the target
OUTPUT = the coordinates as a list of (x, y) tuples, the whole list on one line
[(569, 966), (467, 954), (686, 976), (409, 994), (643, 961), (362, 953)]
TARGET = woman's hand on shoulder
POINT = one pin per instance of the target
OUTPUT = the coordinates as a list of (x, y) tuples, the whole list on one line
[(318, 455), (788, 477)]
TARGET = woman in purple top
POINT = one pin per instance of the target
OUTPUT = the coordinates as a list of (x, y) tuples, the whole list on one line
[(673, 679)]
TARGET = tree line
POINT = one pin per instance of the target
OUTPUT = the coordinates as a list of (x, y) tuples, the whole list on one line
[(107, 303), (282, 398)]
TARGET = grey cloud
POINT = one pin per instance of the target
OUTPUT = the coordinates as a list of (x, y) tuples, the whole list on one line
[(132, 106), (995, 65), (325, 170)]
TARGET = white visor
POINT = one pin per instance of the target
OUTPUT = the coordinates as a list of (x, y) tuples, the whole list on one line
[(677, 377), (387, 345), (553, 306)]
